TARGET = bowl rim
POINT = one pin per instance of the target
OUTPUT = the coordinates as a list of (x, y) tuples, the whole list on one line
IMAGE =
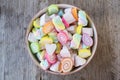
[(93, 47)]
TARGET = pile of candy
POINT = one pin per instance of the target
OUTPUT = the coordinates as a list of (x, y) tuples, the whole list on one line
[(61, 39)]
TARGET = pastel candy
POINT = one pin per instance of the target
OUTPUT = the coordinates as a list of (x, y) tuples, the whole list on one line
[(44, 64), (82, 18), (74, 13), (52, 9), (42, 20), (84, 53), (45, 40), (72, 29), (58, 23), (55, 67), (75, 41), (79, 61), (41, 55), (68, 10), (50, 48), (59, 46), (62, 37), (65, 52), (31, 37), (87, 40), (36, 23), (48, 27), (35, 47), (60, 13), (79, 29), (69, 18), (65, 23), (66, 64), (53, 35), (51, 58), (88, 31)]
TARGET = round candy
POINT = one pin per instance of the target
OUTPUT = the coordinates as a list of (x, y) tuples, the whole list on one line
[(51, 58), (87, 40), (66, 64), (62, 37)]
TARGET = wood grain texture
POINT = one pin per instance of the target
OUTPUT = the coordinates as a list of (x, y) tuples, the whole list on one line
[(16, 64)]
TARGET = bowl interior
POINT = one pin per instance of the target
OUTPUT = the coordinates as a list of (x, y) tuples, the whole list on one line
[(91, 24)]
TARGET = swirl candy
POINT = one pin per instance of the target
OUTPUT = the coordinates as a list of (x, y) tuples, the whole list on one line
[(62, 37), (82, 18), (58, 23), (87, 40), (75, 41), (51, 58), (48, 27), (66, 64)]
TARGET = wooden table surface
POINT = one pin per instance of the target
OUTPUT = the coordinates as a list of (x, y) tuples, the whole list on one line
[(15, 62)]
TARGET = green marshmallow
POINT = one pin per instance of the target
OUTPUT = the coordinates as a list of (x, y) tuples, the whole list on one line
[(35, 47), (53, 9)]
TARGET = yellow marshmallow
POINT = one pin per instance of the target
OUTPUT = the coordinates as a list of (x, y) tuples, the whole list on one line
[(79, 29), (84, 53)]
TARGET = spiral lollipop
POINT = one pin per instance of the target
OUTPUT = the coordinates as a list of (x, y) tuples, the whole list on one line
[(66, 64)]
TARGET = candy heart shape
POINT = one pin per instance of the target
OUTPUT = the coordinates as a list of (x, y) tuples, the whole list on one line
[(65, 52), (79, 61), (50, 48), (55, 67), (44, 64)]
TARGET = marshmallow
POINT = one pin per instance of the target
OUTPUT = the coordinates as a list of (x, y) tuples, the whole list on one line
[(36, 23), (88, 31), (87, 40), (82, 20), (44, 64), (35, 47), (84, 53), (31, 37), (79, 61), (69, 18), (50, 48), (58, 23), (65, 52), (48, 27), (55, 67), (75, 41), (52, 9)]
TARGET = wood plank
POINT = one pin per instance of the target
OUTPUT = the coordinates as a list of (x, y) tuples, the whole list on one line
[(15, 63)]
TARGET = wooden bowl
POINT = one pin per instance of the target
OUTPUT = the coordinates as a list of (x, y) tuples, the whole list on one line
[(95, 38)]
